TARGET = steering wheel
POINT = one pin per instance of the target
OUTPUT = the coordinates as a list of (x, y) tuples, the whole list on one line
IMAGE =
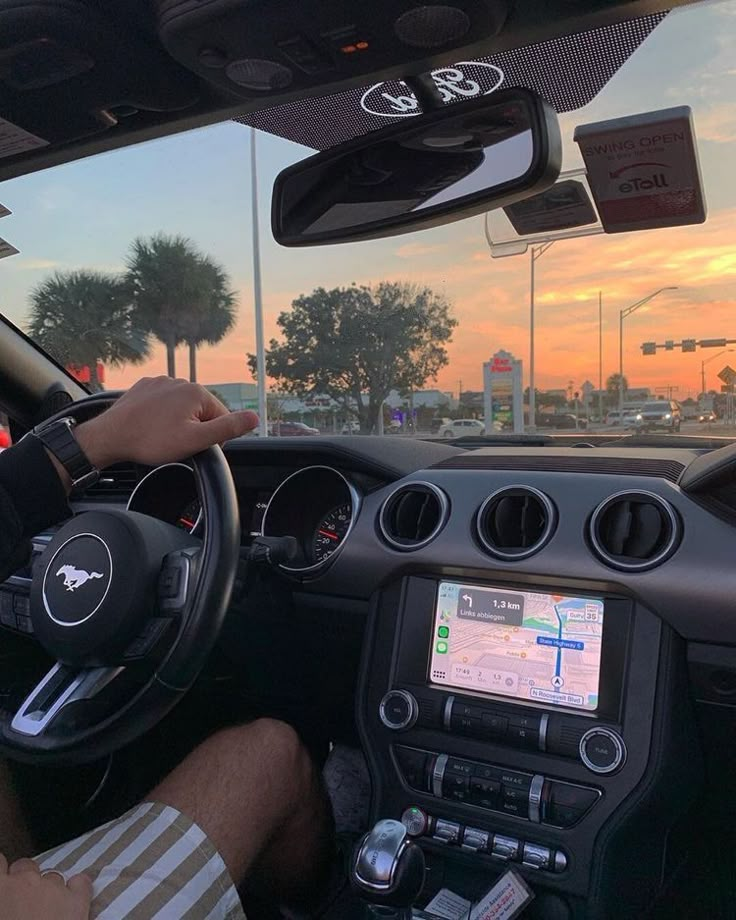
[(129, 608)]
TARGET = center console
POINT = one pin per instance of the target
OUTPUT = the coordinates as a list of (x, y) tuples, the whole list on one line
[(509, 724)]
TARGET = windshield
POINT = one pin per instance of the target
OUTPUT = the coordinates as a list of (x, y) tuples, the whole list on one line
[(140, 262)]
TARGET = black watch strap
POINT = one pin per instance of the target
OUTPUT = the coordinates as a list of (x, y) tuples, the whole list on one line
[(59, 439)]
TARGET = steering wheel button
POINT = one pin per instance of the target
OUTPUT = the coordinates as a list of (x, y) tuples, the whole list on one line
[(22, 605), (24, 624), (170, 581)]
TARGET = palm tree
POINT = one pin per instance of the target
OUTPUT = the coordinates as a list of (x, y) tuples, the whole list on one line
[(164, 275), (83, 317), (613, 387), (215, 314)]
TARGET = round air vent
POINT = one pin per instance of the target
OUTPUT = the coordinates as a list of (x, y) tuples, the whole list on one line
[(634, 531), (431, 26), (515, 522), (413, 515)]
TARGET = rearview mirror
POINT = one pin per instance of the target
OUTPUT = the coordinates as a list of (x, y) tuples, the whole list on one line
[(434, 168)]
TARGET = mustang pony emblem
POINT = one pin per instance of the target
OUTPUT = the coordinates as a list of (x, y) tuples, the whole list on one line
[(73, 578)]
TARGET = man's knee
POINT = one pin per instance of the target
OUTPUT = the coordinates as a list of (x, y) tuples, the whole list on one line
[(270, 746)]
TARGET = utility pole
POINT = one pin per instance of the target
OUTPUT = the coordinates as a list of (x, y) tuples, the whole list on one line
[(535, 252)]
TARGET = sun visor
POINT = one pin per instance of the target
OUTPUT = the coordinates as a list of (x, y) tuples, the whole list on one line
[(568, 72)]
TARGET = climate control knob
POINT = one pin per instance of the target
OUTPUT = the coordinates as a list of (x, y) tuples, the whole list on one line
[(602, 750), (398, 710)]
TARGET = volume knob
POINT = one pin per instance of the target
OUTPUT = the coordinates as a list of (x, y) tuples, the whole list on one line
[(398, 710)]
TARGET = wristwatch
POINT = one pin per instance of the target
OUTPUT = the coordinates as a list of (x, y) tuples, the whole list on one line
[(58, 437)]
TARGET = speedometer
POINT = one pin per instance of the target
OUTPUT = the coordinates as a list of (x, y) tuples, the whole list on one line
[(331, 531)]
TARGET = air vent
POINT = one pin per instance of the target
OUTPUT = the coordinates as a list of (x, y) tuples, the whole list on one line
[(634, 531), (515, 522), (413, 515), (116, 482)]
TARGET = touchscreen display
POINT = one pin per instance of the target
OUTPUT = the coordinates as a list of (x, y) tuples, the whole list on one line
[(530, 646)]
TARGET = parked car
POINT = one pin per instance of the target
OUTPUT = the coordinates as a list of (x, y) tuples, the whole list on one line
[(662, 415), (463, 427), (613, 417), (438, 423), (292, 429), (351, 427)]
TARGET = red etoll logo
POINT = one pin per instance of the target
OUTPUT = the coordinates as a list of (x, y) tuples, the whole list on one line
[(641, 183)]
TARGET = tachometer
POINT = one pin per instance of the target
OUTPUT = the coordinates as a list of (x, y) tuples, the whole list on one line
[(318, 506), (331, 531)]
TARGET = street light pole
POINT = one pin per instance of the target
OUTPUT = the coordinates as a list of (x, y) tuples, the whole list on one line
[(627, 311), (600, 357), (257, 294), (725, 351), (535, 252)]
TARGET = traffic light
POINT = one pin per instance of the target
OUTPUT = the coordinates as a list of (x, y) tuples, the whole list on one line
[(688, 345), (649, 348), (669, 345)]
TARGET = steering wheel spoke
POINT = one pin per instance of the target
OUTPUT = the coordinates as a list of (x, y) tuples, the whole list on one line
[(60, 689)]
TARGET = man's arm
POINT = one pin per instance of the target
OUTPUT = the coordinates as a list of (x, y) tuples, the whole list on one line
[(158, 420)]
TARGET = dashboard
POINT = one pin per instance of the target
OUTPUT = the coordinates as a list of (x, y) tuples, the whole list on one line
[(531, 643)]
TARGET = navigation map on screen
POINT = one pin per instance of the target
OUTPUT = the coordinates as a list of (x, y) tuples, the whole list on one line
[(541, 647)]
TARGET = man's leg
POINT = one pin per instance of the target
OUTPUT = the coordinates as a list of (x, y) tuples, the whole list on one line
[(256, 794), (15, 838)]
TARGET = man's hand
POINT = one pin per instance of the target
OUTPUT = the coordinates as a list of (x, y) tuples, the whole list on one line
[(160, 420), (25, 894)]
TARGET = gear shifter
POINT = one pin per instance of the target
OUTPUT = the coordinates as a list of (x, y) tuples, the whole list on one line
[(388, 870)]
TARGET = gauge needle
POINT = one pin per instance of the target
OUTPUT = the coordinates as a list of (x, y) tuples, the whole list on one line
[(186, 522), (326, 533)]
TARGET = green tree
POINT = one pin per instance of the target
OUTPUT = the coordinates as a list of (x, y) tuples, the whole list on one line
[(180, 295), (356, 344), (613, 388), (83, 317)]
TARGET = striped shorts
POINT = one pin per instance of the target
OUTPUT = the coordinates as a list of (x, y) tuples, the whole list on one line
[(152, 863)]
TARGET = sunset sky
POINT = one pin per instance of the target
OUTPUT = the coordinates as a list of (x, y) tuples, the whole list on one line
[(84, 215)]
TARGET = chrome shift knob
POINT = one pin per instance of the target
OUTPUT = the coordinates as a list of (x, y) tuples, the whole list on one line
[(388, 867)]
